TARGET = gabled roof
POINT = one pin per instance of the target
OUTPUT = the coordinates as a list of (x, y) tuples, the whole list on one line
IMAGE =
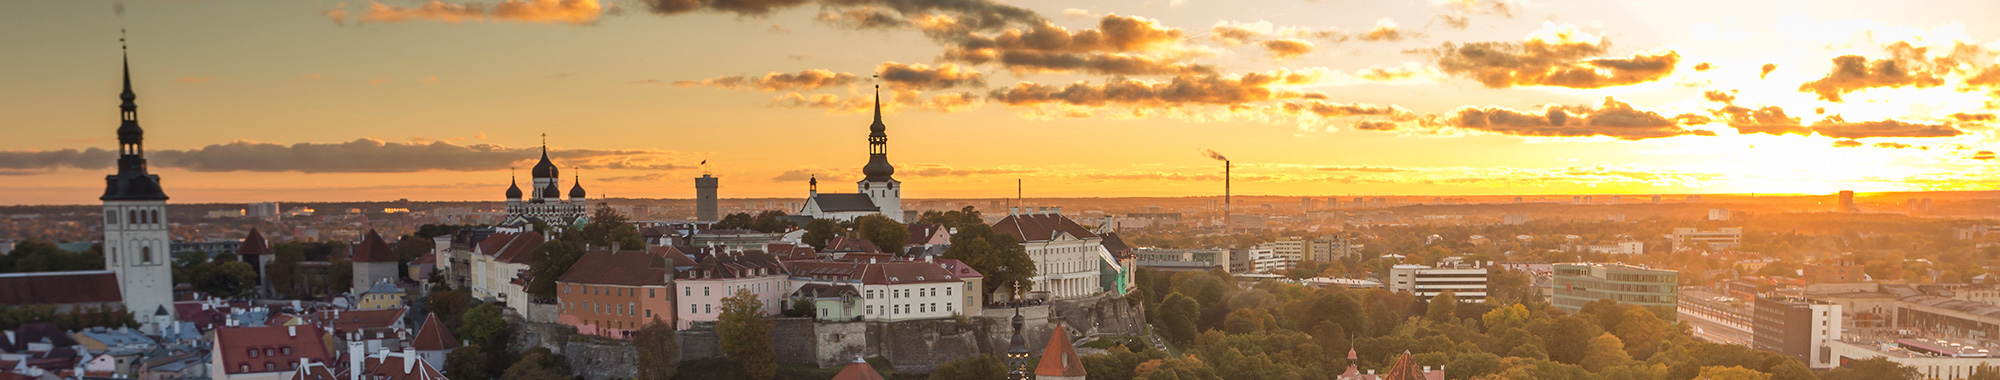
[(1119, 250), (314, 371), (858, 370), (789, 252), (1041, 227), (373, 249), (512, 248), (723, 265), (1059, 358), (677, 255), (383, 287), (1405, 369), (433, 336), (958, 268), (235, 344), (850, 244), (922, 233), (254, 244), (398, 366), (837, 202), (600, 266), (905, 273), (55, 288), (36, 332)]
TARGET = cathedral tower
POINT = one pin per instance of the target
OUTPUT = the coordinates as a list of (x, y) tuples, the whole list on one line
[(135, 222), (880, 186)]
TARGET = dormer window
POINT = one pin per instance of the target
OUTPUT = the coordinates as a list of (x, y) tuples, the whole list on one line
[(287, 350), (253, 353)]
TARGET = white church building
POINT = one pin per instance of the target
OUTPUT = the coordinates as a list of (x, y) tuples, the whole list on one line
[(135, 224), (878, 193)]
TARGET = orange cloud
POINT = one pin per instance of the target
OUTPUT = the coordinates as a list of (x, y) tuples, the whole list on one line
[(1560, 56), (538, 11), (1287, 48), (196, 80), (775, 81)]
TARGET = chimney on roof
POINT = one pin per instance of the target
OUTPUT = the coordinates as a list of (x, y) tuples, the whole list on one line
[(1013, 210), (292, 330), (929, 259), (1057, 210), (355, 352), (409, 359), (614, 247)]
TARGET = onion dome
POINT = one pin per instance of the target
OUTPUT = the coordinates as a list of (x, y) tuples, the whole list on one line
[(551, 191), (545, 169), (576, 190), (513, 189), (878, 168)]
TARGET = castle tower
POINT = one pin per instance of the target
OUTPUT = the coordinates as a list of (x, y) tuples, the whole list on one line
[(135, 222), (704, 197), (881, 186)]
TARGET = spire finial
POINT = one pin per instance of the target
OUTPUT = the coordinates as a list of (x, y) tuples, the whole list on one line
[(545, 142), (878, 99)]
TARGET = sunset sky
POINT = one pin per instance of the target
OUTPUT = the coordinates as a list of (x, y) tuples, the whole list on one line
[(331, 100)]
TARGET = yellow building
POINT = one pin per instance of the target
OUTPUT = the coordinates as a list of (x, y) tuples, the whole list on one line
[(383, 295)]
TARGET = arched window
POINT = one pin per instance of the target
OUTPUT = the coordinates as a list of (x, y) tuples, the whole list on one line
[(145, 255), (132, 215)]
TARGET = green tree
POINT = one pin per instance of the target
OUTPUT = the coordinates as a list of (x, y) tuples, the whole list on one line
[(803, 308), (483, 325), (1731, 373), (1504, 317), (608, 227), (746, 335), (410, 247), (771, 221), (819, 231), (1443, 307), (736, 221), (1246, 321), (450, 306), (1984, 372), (36, 255), (980, 367), (887, 234), (283, 270), (340, 275), (999, 257), (466, 362), (538, 364), (548, 263), (1568, 338), (658, 351), (227, 279), (1178, 316), (1605, 351)]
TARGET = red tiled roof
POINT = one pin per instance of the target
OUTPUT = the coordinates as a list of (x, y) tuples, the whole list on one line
[(1404, 369), (958, 268), (1040, 227), (1116, 245), (1059, 358), (858, 370), (396, 366), (789, 252), (433, 336), (675, 254), (848, 244), (513, 248), (235, 344), (373, 249), (873, 274), (355, 320), (733, 265), (630, 268), (254, 244), (314, 371), (921, 233), (36, 288), (427, 258)]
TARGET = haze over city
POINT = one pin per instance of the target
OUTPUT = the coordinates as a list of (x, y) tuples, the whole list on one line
[(354, 101)]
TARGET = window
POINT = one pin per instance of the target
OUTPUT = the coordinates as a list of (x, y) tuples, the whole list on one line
[(146, 255), (110, 218), (691, 309), (704, 291), (947, 291), (268, 366), (133, 215), (649, 293), (244, 368), (649, 313), (287, 350), (705, 309), (947, 307), (253, 352), (687, 291)]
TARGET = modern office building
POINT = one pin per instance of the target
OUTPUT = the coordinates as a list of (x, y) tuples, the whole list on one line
[(1580, 283), (1688, 239), (1468, 284), (1801, 328)]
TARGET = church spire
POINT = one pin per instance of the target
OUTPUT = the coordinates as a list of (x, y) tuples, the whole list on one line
[(878, 103), (132, 181)]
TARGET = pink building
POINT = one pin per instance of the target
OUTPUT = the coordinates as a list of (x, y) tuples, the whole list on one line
[(614, 294), (718, 274)]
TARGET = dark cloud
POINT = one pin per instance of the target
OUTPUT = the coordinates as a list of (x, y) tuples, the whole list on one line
[(896, 99), (1182, 90), (1287, 48), (1847, 144), (863, 18), (1329, 109), (1853, 73), (802, 81), (92, 158), (1719, 96), (1120, 45), (1836, 128), (924, 77), (1766, 120), (1612, 119), (1704, 66), (1768, 68), (1562, 57), (1973, 117)]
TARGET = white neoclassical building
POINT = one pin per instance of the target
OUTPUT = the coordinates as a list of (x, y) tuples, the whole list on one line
[(1066, 255)]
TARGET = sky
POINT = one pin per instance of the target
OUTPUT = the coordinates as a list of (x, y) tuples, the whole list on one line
[(250, 101)]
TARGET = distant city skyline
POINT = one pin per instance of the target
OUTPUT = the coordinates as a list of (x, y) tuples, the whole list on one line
[(439, 101)]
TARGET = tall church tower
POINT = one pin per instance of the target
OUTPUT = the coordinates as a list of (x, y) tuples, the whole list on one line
[(880, 185), (135, 223)]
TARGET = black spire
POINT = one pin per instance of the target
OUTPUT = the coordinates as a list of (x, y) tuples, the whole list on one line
[(878, 168), (132, 182), (1017, 346), (545, 169)]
